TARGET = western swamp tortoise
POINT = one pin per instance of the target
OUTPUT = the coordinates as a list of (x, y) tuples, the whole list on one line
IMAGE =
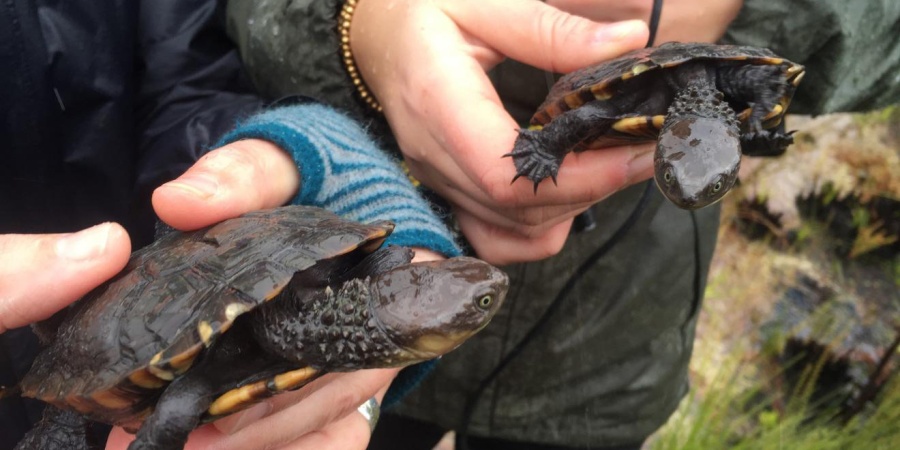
[(703, 103), (200, 325)]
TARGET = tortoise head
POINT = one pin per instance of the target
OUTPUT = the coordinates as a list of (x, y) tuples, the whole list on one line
[(698, 153), (428, 309)]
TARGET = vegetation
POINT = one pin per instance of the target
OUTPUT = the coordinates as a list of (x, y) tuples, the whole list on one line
[(798, 338)]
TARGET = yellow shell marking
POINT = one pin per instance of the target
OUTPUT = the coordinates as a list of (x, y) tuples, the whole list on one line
[(143, 378), (237, 399), (110, 400), (639, 69), (796, 80), (158, 371), (535, 127), (244, 396), (601, 92), (182, 362), (631, 125), (573, 101), (773, 61), (658, 121), (234, 310), (776, 111), (294, 379), (205, 330)]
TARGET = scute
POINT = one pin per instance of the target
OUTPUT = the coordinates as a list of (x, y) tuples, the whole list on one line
[(183, 290)]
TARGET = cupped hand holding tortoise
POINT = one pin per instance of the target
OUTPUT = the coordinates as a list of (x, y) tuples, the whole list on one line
[(203, 324), (425, 62), (237, 178)]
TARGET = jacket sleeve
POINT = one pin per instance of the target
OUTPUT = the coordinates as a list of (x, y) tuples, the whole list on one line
[(292, 47), (191, 88), (851, 50)]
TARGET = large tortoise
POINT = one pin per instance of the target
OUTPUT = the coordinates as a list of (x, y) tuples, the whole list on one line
[(703, 102), (203, 324)]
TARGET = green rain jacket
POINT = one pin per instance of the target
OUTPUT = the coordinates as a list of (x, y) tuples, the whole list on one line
[(610, 365)]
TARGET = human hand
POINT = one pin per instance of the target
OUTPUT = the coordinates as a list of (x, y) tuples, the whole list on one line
[(244, 176), (425, 61), (41, 274), (681, 20)]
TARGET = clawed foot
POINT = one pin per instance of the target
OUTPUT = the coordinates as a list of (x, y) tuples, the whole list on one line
[(531, 160), (766, 142)]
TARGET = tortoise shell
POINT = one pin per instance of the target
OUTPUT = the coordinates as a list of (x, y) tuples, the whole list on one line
[(126, 340), (607, 80), (706, 105)]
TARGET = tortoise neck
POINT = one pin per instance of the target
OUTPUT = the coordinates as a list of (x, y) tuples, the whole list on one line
[(700, 98), (329, 329)]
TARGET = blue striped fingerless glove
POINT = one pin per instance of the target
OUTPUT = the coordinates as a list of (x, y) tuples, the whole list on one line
[(343, 171)]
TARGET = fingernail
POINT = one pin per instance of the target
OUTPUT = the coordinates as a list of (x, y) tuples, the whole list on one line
[(640, 164), (617, 31), (245, 418), (84, 245), (199, 185)]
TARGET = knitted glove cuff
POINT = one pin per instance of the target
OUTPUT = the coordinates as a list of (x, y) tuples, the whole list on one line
[(342, 170)]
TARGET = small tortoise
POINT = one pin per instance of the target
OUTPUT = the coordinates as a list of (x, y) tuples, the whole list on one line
[(203, 324), (704, 103)]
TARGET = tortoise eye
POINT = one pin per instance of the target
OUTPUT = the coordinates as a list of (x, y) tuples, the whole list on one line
[(717, 187), (485, 301), (668, 176)]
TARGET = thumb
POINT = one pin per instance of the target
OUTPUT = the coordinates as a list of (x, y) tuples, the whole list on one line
[(543, 36), (41, 274), (240, 177)]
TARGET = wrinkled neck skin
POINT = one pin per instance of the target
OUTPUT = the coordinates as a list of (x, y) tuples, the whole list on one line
[(698, 153), (328, 330)]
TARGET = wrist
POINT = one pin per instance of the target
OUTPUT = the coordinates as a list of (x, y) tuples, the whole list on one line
[(345, 19)]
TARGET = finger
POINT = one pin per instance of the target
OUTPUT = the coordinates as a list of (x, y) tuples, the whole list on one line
[(544, 36), (203, 438), (352, 432), (41, 274), (325, 401), (348, 433), (585, 177), (424, 254), (470, 158), (500, 247), (234, 179), (527, 222), (622, 10)]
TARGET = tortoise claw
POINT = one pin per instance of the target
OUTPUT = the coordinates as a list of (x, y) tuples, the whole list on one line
[(532, 161), (766, 142)]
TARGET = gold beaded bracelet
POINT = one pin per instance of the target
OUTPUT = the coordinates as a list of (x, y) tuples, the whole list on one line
[(344, 28)]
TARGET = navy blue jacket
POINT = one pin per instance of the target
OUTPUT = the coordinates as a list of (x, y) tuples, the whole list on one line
[(100, 102)]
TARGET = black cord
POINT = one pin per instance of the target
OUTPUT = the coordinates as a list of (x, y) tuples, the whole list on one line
[(654, 21), (627, 225)]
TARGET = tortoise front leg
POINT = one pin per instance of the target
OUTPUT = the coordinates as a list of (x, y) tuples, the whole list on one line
[(177, 413), (761, 88), (538, 153), (58, 430)]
